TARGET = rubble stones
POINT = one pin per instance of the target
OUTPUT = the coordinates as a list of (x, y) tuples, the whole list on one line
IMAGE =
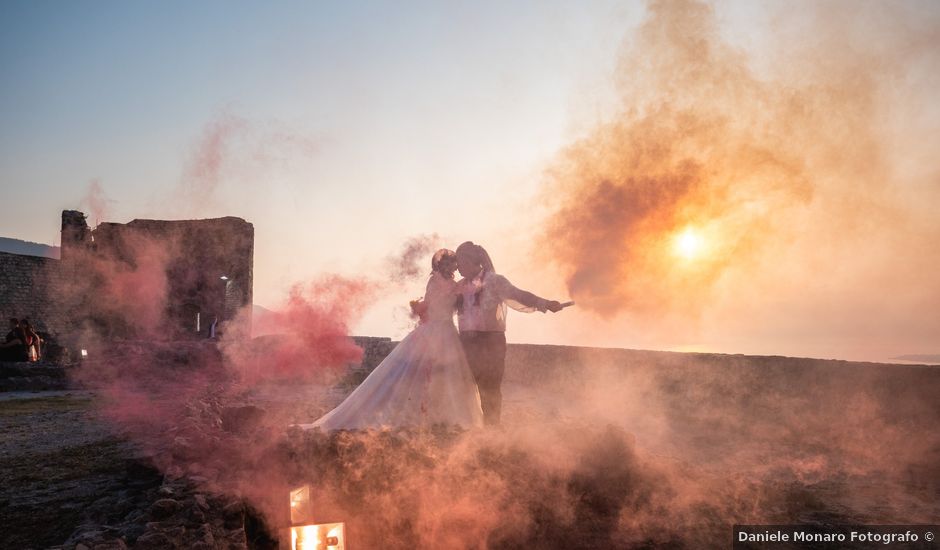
[(99, 540), (164, 508), (204, 535), (113, 544), (177, 513), (153, 540), (196, 514), (234, 514), (237, 540), (141, 467), (241, 419)]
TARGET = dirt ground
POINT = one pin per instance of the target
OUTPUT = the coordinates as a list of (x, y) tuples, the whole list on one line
[(56, 458)]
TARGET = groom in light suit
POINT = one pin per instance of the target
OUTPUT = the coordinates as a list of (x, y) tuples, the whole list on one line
[(482, 321)]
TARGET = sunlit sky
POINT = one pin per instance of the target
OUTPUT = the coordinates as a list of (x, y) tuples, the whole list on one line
[(360, 124)]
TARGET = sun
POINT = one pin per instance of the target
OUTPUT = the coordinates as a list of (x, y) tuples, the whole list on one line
[(688, 244)]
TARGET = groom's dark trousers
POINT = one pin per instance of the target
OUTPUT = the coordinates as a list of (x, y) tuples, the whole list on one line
[(486, 354)]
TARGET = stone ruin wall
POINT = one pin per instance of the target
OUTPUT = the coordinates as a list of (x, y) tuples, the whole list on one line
[(28, 289), (209, 269), (44, 289)]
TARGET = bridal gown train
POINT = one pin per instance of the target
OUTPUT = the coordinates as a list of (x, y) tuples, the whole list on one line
[(425, 380)]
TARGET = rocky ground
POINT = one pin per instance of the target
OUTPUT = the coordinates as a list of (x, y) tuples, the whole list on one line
[(67, 480)]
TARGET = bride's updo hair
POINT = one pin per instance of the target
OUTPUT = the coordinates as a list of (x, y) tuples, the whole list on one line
[(444, 258)]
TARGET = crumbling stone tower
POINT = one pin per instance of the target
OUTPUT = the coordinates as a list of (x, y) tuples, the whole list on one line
[(207, 266)]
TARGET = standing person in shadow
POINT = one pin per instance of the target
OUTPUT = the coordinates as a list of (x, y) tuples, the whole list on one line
[(13, 348), (482, 321)]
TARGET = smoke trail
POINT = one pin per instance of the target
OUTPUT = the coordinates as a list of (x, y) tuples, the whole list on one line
[(203, 171), (231, 149), (97, 202), (412, 262)]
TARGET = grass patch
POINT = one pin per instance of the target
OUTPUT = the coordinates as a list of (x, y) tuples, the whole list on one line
[(16, 407), (80, 461)]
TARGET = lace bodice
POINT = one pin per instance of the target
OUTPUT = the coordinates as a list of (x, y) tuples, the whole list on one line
[(441, 298)]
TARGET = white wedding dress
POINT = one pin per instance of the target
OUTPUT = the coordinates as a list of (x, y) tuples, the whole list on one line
[(425, 380)]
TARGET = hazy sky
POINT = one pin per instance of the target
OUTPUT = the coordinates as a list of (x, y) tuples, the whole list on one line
[(342, 129)]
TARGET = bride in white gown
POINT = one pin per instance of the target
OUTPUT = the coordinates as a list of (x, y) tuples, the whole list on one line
[(425, 380)]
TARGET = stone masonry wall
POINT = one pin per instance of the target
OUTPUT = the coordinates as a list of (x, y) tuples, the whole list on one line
[(209, 276), (28, 287)]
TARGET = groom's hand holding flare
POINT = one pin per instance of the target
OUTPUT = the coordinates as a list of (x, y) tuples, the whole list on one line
[(554, 306)]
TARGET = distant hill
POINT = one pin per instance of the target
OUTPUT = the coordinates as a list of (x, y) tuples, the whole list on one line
[(28, 248), (923, 358), (261, 321)]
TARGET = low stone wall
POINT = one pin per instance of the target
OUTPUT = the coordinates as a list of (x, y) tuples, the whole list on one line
[(761, 388), (32, 377)]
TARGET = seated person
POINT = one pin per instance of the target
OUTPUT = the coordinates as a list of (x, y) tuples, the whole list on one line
[(14, 347), (33, 341)]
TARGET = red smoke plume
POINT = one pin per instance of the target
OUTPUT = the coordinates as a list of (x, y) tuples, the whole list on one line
[(310, 333)]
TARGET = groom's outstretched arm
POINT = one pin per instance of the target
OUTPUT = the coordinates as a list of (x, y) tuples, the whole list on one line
[(523, 300)]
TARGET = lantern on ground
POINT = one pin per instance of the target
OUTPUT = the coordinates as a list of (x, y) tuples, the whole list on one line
[(306, 535), (323, 536)]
